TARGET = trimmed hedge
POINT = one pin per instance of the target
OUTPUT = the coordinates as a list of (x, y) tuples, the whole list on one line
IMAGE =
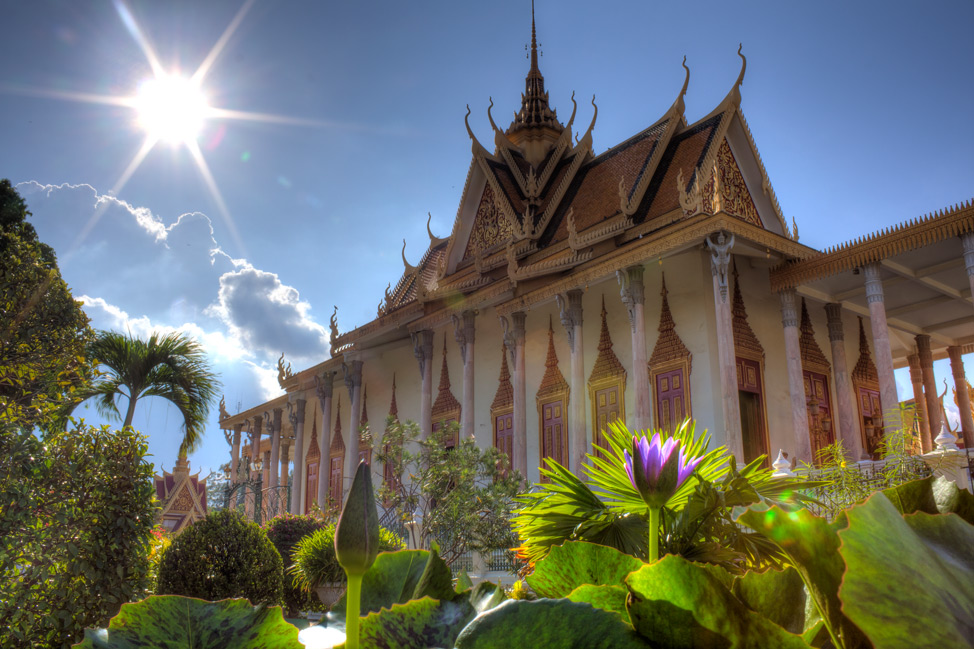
[(284, 532)]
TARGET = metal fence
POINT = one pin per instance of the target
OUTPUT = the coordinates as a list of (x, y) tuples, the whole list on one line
[(855, 483)]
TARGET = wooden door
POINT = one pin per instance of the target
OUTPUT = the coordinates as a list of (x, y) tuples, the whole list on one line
[(871, 419), (671, 399), (820, 426), (504, 435), (335, 481), (554, 432), (311, 493), (607, 410), (750, 387)]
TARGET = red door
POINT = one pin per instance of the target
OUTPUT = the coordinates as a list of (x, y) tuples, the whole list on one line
[(750, 386), (671, 401), (871, 411), (311, 495), (819, 407), (335, 482), (607, 410), (553, 433), (504, 435)]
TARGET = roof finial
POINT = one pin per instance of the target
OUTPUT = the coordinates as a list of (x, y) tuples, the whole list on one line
[(534, 43), (740, 77)]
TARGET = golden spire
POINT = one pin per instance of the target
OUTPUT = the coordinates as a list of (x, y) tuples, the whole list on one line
[(535, 111)]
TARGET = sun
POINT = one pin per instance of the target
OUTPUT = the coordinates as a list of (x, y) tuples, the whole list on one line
[(171, 109)]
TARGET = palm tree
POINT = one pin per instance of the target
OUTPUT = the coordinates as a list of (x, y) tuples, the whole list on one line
[(173, 367)]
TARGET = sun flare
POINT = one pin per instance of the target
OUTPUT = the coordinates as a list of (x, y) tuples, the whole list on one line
[(171, 109)]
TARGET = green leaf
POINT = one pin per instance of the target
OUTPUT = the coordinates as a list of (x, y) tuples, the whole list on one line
[(908, 577), (812, 546), (551, 624), (178, 622), (574, 564), (676, 603), (436, 580), (605, 597), (933, 496), (392, 579), (779, 595), (485, 596), (417, 624), (463, 581)]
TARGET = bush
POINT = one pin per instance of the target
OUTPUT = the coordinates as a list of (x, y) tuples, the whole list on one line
[(285, 532), (222, 556), (76, 515), (315, 562)]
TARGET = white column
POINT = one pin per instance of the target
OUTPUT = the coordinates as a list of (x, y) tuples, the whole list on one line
[(514, 341), (633, 296), (464, 332), (796, 383), (968, 241), (884, 354), (323, 390), (730, 400), (235, 453), (295, 414), (282, 501), (963, 401), (570, 307), (920, 402), (846, 406), (273, 426), (423, 350), (925, 354), (353, 381)]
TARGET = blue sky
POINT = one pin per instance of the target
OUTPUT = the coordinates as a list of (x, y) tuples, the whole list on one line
[(861, 112)]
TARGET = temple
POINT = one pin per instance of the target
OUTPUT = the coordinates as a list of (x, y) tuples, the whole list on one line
[(653, 282)]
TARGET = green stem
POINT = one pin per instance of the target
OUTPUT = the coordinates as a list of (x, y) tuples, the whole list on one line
[(653, 534), (353, 602)]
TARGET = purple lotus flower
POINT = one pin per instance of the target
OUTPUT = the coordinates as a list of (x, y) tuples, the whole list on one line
[(658, 469)]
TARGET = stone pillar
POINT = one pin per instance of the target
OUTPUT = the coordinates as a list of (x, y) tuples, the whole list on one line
[(726, 356), (923, 417), (323, 390), (884, 354), (633, 296), (963, 400), (353, 381), (235, 453), (423, 350), (464, 332), (265, 496), (968, 241), (282, 500), (256, 424), (295, 414), (514, 341), (925, 356), (274, 477), (570, 306), (796, 381), (845, 397)]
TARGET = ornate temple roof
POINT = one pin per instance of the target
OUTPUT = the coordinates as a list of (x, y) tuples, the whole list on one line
[(504, 398), (811, 353), (865, 369), (445, 402), (744, 338), (553, 382), (669, 345), (607, 364), (337, 441)]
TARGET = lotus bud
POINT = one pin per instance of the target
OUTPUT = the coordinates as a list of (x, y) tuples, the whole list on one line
[(357, 532)]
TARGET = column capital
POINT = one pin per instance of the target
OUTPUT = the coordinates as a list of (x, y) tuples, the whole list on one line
[(632, 291), (422, 348), (324, 385), (967, 239), (913, 360), (720, 260), (514, 335), (789, 307), (874, 283), (464, 331), (955, 354), (570, 312), (833, 311), (923, 350), (353, 375), (295, 412)]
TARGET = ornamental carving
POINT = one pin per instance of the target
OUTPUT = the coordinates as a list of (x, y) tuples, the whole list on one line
[(490, 226), (183, 502), (812, 357), (504, 398), (726, 190), (669, 346), (865, 371), (746, 344)]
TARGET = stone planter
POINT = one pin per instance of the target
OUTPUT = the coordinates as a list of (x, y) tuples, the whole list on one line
[(330, 592)]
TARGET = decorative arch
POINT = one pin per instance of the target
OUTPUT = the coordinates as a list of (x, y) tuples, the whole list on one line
[(606, 388), (865, 383), (312, 464), (502, 411), (669, 371), (816, 371), (749, 358), (446, 408), (552, 399)]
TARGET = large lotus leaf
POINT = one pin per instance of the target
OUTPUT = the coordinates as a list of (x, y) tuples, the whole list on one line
[(676, 603), (417, 624), (813, 547), (778, 595), (932, 496), (436, 580), (548, 624), (576, 563), (605, 597), (909, 577), (177, 622), (393, 579)]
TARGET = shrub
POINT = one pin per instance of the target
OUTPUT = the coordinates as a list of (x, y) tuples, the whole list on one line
[(222, 556), (76, 515), (315, 561), (285, 532)]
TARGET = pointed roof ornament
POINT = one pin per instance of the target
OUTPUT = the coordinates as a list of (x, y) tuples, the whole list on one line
[(535, 111), (734, 96), (669, 345), (679, 105), (409, 267), (338, 442), (434, 240), (607, 364), (364, 419), (393, 406), (314, 451), (504, 398), (553, 382)]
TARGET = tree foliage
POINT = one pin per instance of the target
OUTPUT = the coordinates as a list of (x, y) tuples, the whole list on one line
[(76, 515), (43, 331), (171, 366), (464, 494), (285, 532), (221, 556)]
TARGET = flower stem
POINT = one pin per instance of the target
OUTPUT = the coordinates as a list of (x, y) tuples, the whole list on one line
[(353, 602), (653, 534)]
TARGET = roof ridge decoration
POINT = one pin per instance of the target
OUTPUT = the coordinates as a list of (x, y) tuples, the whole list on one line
[(607, 364), (669, 345), (535, 110), (744, 339), (811, 353), (553, 264), (445, 402), (553, 381), (865, 369), (333, 339), (504, 397), (893, 240), (337, 441), (284, 374)]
